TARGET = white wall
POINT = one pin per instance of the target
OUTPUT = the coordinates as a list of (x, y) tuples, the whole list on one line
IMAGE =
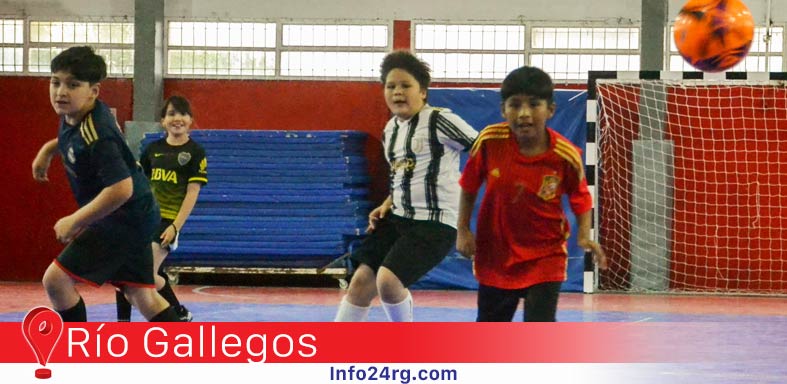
[(507, 10), (758, 9), (611, 12), (66, 8)]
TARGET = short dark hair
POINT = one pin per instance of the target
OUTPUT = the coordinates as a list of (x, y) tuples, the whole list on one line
[(179, 103), (406, 61), (531, 81), (82, 62)]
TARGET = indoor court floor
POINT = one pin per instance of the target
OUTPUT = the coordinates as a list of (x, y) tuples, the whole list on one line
[(749, 333), (293, 304)]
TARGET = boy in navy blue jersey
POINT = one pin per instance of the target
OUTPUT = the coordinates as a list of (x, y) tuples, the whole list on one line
[(108, 237)]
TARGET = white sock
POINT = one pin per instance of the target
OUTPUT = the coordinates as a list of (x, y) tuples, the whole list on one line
[(400, 311), (351, 312)]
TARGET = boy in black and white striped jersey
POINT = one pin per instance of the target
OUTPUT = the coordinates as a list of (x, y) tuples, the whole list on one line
[(415, 227)]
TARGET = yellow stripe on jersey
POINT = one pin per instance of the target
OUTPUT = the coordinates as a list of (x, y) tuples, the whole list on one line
[(570, 150), (92, 127), (202, 179), (168, 213), (571, 154), (88, 130), (497, 131), (83, 131), (86, 133)]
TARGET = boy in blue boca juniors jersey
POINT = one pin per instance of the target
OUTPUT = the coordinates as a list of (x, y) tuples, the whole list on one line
[(108, 237)]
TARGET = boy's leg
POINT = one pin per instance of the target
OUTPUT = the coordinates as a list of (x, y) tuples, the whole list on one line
[(397, 302), (541, 302), (152, 306), (421, 247), (162, 286), (162, 283), (356, 303), (169, 295), (62, 293), (123, 306), (369, 255), (495, 304)]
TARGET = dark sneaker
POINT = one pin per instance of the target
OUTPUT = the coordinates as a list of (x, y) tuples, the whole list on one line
[(184, 314)]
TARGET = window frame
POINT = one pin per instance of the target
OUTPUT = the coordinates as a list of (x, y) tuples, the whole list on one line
[(523, 51), (630, 52), (22, 46), (280, 48), (30, 45)]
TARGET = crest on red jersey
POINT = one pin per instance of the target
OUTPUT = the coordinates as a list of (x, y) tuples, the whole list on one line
[(549, 186)]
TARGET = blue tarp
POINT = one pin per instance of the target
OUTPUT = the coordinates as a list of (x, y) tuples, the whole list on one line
[(481, 107)]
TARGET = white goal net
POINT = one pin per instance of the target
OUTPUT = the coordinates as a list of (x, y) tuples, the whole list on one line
[(692, 185)]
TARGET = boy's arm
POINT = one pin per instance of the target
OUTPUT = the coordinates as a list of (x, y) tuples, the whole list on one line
[(43, 159), (107, 201), (379, 213), (584, 241), (465, 241)]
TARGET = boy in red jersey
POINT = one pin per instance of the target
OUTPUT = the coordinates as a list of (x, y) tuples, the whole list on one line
[(520, 250)]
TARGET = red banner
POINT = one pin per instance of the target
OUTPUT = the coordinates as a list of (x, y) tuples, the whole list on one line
[(354, 342)]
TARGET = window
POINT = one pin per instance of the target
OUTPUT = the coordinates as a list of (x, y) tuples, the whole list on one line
[(754, 61), (11, 45), (214, 48), (343, 51), (470, 52), (112, 40), (568, 53)]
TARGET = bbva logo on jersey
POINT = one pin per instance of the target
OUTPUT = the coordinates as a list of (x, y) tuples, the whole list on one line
[(164, 175)]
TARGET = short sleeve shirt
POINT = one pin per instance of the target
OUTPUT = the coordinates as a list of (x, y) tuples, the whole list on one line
[(170, 169), (522, 230)]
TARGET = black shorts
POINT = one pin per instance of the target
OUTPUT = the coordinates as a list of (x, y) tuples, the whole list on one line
[(409, 248), (116, 251), (499, 305)]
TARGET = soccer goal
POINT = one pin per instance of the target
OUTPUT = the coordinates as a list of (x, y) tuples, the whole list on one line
[(691, 181)]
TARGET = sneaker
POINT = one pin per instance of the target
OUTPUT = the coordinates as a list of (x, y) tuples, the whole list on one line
[(184, 314)]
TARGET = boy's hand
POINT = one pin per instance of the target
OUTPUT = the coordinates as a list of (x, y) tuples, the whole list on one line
[(465, 242), (41, 167), (599, 257), (376, 215), (66, 229), (168, 236)]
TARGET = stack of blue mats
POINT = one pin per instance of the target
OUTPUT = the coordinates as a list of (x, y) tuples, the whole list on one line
[(276, 199)]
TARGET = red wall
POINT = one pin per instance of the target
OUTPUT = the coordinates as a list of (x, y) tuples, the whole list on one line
[(29, 210)]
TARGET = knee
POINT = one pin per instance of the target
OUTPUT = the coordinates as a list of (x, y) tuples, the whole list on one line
[(54, 279), (362, 287), (390, 287)]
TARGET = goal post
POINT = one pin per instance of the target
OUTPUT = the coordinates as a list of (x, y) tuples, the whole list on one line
[(691, 180)]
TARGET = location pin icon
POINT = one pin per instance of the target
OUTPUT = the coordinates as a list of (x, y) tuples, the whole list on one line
[(42, 328)]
